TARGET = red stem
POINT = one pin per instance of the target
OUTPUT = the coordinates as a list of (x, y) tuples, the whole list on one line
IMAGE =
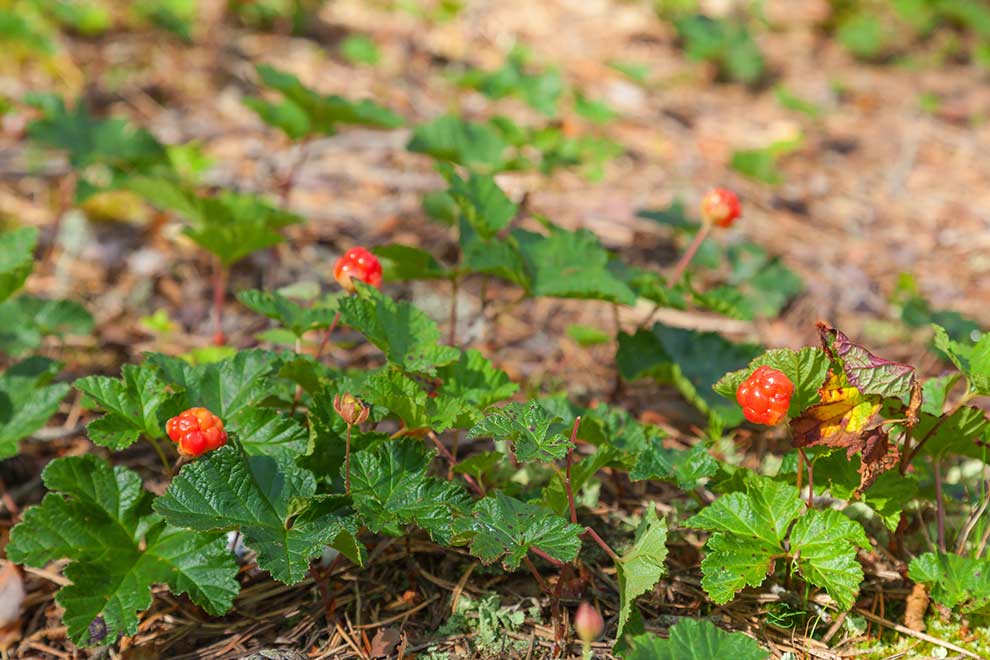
[(326, 335), (688, 255), (602, 544), (536, 574), (570, 459), (542, 555), (453, 461)]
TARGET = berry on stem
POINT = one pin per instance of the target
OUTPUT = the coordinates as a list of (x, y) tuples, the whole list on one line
[(720, 207), (765, 396), (196, 431), (588, 623), (358, 264)]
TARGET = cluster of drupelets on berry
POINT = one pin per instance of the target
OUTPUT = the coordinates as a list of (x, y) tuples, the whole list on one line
[(764, 396)]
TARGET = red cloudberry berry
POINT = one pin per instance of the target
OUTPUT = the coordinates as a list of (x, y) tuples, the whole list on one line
[(358, 264), (720, 206), (196, 431), (765, 396)]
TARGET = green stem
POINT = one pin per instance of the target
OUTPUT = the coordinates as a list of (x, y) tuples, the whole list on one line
[(161, 456)]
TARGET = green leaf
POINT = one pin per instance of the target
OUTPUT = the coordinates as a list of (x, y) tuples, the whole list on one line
[(502, 527), (641, 566), (136, 404), (27, 400), (230, 225), (492, 256), (825, 543), (391, 488), (28, 320), (401, 263), (806, 368), (267, 499), (297, 319), (359, 49), (973, 361), (954, 580), (226, 387), (695, 639), (450, 138), (100, 518), (685, 467), (16, 259), (482, 203), (568, 264), (535, 434), (304, 112), (726, 43), (586, 336), (598, 112), (407, 336), (964, 432), (476, 383), (266, 432), (539, 90), (749, 531)]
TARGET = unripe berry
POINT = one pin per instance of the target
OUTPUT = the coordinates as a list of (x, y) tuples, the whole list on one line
[(588, 623), (196, 431), (765, 396), (350, 409), (720, 206), (358, 264)]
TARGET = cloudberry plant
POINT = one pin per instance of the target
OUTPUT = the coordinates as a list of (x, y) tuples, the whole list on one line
[(720, 206), (357, 263), (765, 396), (196, 431)]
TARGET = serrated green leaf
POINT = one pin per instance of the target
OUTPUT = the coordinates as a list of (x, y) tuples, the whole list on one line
[(492, 256), (16, 259), (402, 262), (482, 203), (100, 518), (954, 580), (694, 639), (266, 432), (475, 383), (685, 467), (502, 527), (450, 138), (303, 112), (964, 432), (391, 488), (764, 512), (642, 565), (407, 336), (265, 498), (28, 320), (225, 387), (536, 435), (567, 264), (136, 404), (230, 225), (27, 400), (825, 543), (806, 368), (972, 360), (297, 319)]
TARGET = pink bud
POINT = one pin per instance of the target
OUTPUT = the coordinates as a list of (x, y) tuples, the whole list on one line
[(588, 622), (351, 409)]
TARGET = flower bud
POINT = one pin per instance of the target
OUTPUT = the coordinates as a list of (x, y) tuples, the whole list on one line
[(588, 623), (350, 408)]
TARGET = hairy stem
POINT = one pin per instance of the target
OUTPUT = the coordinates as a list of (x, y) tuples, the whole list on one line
[(545, 557), (602, 544), (347, 461), (536, 575), (689, 253), (454, 286)]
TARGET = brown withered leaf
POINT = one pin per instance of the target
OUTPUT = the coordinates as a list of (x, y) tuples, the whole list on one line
[(384, 642)]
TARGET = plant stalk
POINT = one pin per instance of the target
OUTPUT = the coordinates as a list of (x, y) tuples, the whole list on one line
[(347, 461), (567, 477), (602, 544), (689, 253), (939, 504)]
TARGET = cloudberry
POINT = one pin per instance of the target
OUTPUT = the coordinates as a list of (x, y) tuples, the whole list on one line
[(196, 431), (765, 396)]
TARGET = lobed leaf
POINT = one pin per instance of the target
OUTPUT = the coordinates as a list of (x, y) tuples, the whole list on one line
[(28, 399), (16, 259), (694, 639), (642, 565), (536, 434), (954, 580)]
